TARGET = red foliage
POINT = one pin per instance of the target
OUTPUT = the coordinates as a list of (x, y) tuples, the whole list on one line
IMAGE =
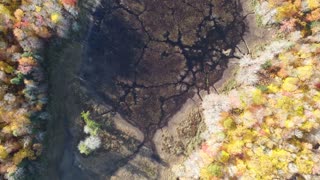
[(288, 26), (205, 148), (317, 85), (21, 24), (69, 2)]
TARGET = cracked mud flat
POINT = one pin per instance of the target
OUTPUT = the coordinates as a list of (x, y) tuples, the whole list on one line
[(141, 64), (145, 58)]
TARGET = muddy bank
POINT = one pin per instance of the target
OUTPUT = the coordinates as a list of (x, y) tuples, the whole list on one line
[(134, 68), (146, 59)]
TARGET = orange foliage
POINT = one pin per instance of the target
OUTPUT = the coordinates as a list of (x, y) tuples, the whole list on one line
[(296, 15), (314, 15), (69, 2)]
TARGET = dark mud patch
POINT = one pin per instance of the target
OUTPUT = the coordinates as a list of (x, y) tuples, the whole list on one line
[(146, 58), (141, 60)]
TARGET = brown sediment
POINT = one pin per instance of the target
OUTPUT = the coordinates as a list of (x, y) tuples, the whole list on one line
[(147, 58), (142, 60)]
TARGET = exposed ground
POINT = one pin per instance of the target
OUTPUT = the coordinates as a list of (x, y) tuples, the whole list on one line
[(141, 70), (145, 58)]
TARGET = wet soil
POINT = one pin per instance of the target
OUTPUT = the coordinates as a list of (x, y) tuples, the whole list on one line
[(146, 58), (140, 61)]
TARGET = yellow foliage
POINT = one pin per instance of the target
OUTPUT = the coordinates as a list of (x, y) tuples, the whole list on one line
[(18, 14), (43, 32), (304, 72), (271, 133), (229, 123), (11, 4), (275, 3), (55, 17), (19, 34), (289, 124), (6, 67), (212, 172), (283, 57), (287, 10), (307, 126), (205, 175), (15, 121), (235, 147), (38, 8), (248, 136), (259, 167), (316, 113), (305, 55), (19, 21), (241, 166), (284, 103), (280, 158), (300, 110), (27, 61), (257, 97), (313, 4), (3, 153), (22, 154), (304, 164), (290, 84), (273, 88), (5, 11), (224, 156), (6, 130), (11, 128)]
